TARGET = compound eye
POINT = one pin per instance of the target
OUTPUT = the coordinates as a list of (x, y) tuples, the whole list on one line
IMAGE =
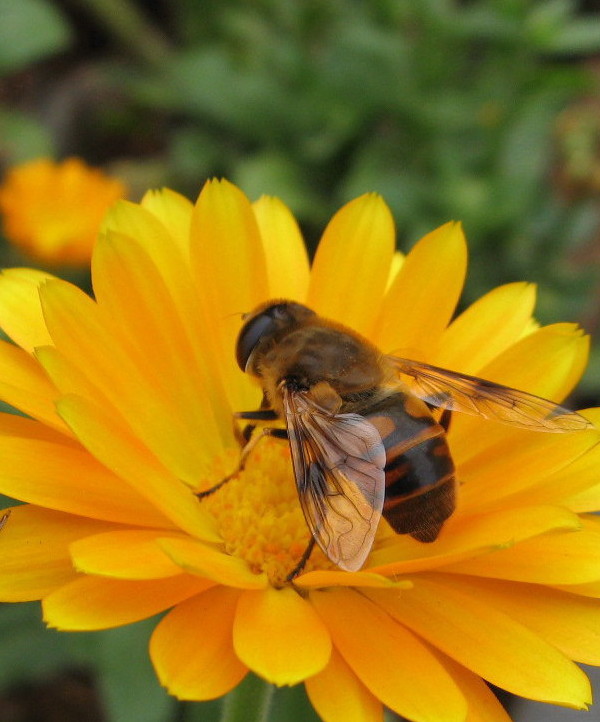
[(251, 334)]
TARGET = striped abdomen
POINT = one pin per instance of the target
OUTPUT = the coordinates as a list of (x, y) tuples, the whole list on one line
[(419, 472)]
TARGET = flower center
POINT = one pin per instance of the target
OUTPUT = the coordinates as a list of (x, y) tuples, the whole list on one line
[(259, 516)]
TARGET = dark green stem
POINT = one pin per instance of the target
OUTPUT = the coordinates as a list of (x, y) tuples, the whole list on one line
[(250, 701)]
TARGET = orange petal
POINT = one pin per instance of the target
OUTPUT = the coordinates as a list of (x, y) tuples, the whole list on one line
[(21, 315), (192, 647), (200, 559), (35, 556), (352, 263), (129, 554), (424, 294), (117, 450), (98, 603), (470, 538), (229, 267), (278, 635), (285, 253), (44, 468), (337, 694), (484, 639), (388, 659), (487, 327)]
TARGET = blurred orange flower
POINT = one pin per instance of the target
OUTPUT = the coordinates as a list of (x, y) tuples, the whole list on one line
[(52, 211)]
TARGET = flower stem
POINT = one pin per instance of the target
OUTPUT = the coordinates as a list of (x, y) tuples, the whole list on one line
[(250, 701)]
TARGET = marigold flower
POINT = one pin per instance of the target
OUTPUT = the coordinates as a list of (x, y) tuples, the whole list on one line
[(129, 401), (52, 211)]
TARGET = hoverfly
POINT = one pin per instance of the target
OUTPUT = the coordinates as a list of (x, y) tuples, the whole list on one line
[(364, 444)]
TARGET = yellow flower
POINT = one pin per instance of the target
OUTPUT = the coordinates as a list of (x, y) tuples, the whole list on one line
[(52, 211), (129, 401)]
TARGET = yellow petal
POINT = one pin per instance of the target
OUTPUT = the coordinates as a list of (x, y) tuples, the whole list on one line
[(489, 326), (121, 453), (577, 486), (466, 537), (547, 363), (352, 263), (169, 253), (557, 559), (229, 269), (278, 635), (322, 578), (144, 314), (128, 554), (98, 603), (389, 660), (46, 469), (523, 460), (483, 703), (21, 315), (174, 211), (192, 647), (569, 622), (337, 694), (123, 384), (285, 253), (35, 556), (26, 387), (422, 298), (486, 640), (197, 558), (397, 262)]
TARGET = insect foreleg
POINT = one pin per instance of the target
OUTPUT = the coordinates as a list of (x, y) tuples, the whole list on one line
[(262, 414), (267, 431)]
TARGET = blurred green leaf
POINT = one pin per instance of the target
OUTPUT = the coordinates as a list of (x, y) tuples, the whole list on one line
[(23, 137), (129, 686), (31, 651), (579, 37), (30, 30)]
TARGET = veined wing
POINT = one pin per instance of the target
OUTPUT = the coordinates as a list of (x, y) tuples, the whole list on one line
[(338, 462), (471, 395)]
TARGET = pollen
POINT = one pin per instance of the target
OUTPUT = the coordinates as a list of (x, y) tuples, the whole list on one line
[(258, 513)]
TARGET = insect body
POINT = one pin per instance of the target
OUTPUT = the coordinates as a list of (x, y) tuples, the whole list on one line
[(363, 443)]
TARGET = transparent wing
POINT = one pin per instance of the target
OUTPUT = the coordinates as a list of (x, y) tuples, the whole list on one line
[(471, 395), (338, 462)]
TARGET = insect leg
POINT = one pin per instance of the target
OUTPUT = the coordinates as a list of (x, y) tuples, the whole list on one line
[(4, 519), (445, 419), (277, 433), (303, 559), (264, 413)]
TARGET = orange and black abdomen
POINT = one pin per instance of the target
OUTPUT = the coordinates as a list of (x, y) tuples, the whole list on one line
[(419, 472)]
